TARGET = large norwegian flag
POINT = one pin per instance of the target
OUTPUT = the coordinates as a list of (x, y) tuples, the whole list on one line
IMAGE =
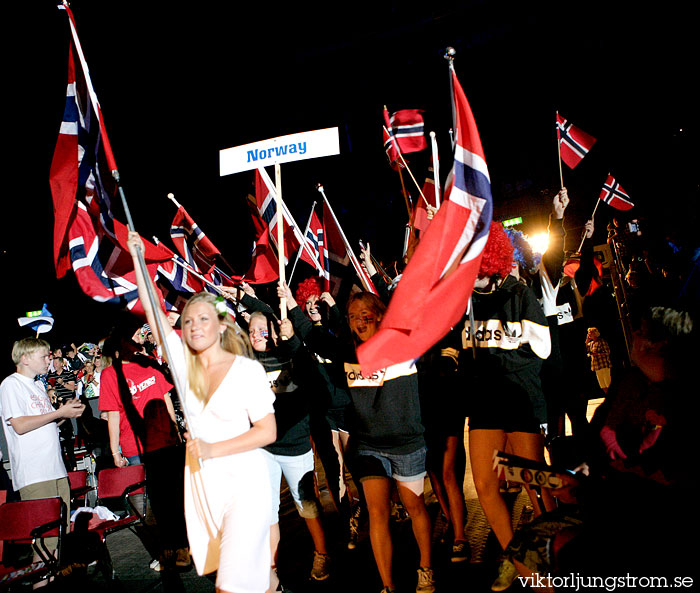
[(191, 242), (574, 143), (87, 237), (613, 195), (265, 195), (82, 162), (435, 288)]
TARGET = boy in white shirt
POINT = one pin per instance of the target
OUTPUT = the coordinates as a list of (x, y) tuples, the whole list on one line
[(31, 426)]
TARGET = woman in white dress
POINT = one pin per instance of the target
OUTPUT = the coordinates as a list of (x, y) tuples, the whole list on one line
[(229, 403)]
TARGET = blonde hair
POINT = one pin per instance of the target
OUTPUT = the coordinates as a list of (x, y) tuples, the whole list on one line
[(27, 346), (232, 339)]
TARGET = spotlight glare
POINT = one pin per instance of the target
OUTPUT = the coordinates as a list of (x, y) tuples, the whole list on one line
[(539, 242)]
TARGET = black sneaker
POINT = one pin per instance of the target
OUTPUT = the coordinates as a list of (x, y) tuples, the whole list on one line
[(354, 527), (461, 551)]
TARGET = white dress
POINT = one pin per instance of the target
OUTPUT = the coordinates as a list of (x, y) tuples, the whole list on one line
[(228, 499)]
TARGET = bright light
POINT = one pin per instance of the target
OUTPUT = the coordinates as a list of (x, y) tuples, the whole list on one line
[(539, 242)]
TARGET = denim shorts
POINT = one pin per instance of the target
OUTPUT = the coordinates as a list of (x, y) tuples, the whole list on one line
[(407, 467)]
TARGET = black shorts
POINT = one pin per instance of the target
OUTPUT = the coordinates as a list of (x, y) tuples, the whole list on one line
[(508, 406)]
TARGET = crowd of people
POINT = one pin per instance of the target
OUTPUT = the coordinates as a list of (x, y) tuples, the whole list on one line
[(265, 395)]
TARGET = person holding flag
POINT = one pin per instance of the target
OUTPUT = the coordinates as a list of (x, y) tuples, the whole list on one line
[(502, 342), (228, 399)]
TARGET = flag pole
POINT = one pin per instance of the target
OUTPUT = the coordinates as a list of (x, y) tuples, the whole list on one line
[(584, 230), (405, 164), (288, 216), (111, 163), (436, 168), (450, 57), (450, 53), (280, 236), (561, 172), (301, 247)]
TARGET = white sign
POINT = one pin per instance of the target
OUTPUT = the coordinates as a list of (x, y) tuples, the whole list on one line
[(284, 149)]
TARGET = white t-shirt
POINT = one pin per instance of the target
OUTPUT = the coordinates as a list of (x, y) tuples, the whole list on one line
[(35, 456)]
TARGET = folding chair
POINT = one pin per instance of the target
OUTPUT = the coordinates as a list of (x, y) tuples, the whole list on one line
[(30, 522), (120, 482), (79, 486)]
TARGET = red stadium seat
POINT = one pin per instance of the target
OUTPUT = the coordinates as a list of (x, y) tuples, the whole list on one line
[(31, 521)]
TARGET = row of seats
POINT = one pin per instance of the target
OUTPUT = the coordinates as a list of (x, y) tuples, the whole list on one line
[(32, 521)]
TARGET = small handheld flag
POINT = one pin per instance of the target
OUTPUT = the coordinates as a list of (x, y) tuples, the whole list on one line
[(40, 321), (613, 195), (574, 143)]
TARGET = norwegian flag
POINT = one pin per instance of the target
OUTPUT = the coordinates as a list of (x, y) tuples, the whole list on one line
[(191, 242), (315, 238), (340, 254), (408, 128), (82, 162), (177, 281), (265, 195), (574, 143), (338, 259), (390, 143), (435, 288), (613, 195), (264, 266), (105, 271), (403, 133), (87, 237)]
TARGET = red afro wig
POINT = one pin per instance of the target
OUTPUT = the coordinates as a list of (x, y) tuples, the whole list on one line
[(309, 287), (497, 259)]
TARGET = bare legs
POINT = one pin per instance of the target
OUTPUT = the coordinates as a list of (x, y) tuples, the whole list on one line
[(378, 496)]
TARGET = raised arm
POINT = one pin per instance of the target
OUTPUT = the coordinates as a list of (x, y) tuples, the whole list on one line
[(134, 243)]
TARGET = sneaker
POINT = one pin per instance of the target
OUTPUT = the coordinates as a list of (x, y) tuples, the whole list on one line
[(461, 552), (183, 559), (155, 565), (354, 527), (426, 581), (506, 575), (320, 570)]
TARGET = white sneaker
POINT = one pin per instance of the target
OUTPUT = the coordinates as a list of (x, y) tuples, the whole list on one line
[(426, 581)]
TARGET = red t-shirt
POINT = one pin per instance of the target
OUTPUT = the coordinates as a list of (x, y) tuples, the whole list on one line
[(146, 414)]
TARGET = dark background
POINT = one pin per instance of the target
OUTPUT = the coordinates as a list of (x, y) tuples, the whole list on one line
[(178, 82)]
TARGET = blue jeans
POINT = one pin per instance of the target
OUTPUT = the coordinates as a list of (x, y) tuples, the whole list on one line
[(407, 467)]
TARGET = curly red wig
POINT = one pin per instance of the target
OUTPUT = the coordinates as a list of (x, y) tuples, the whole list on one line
[(309, 287), (497, 258)]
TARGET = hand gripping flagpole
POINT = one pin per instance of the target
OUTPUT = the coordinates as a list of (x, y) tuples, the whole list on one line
[(583, 238)]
